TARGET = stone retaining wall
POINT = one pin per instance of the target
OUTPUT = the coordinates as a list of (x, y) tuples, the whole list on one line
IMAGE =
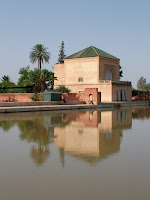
[(88, 96), (15, 97), (84, 96)]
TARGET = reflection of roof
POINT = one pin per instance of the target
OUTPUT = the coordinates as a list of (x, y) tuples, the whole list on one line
[(91, 159), (91, 52)]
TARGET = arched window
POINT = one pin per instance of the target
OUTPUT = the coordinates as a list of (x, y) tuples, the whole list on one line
[(90, 99), (118, 95), (125, 95), (108, 75), (121, 95)]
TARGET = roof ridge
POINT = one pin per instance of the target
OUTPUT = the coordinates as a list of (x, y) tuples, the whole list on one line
[(84, 50), (95, 50), (91, 51)]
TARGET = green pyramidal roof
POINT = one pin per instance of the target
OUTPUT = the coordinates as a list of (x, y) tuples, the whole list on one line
[(91, 52)]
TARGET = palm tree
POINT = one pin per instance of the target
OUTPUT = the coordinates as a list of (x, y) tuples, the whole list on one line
[(46, 79), (39, 79), (5, 79), (39, 54)]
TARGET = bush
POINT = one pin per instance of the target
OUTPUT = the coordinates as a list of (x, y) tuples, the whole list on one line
[(7, 87), (37, 97), (134, 92), (63, 89)]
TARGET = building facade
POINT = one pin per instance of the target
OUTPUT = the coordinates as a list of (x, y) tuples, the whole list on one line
[(93, 68)]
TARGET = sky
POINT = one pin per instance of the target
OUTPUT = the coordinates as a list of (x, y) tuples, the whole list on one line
[(119, 27)]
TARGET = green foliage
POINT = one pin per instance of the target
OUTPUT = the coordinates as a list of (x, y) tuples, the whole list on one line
[(24, 72), (33, 79), (63, 89), (141, 84), (39, 54), (5, 79), (134, 92), (36, 97), (46, 79), (61, 53), (148, 86), (38, 79), (7, 125), (6, 86)]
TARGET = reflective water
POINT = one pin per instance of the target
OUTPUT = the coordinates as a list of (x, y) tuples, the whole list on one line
[(75, 155)]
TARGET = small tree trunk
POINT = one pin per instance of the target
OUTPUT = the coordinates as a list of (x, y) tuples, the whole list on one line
[(40, 65), (43, 87)]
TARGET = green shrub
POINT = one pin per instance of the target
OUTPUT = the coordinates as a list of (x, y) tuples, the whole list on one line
[(134, 92), (37, 97), (63, 89)]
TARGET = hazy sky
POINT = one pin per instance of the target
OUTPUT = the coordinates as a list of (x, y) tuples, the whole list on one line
[(119, 27)]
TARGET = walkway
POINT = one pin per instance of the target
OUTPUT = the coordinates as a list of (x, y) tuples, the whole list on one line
[(69, 107)]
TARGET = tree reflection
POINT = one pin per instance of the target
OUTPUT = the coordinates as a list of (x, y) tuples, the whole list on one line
[(34, 131), (87, 135), (40, 131), (39, 154), (7, 125)]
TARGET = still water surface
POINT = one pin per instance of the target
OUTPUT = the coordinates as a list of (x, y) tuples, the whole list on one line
[(75, 155)]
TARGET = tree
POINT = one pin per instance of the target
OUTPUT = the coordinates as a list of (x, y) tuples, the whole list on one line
[(141, 84), (33, 79), (46, 79), (120, 71), (39, 54), (24, 72), (6, 86), (61, 53), (63, 89), (148, 86), (5, 79), (40, 80)]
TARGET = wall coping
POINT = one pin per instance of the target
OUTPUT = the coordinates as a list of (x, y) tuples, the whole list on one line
[(16, 93)]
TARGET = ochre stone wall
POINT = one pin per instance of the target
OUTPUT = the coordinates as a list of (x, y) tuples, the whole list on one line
[(93, 71), (104, 88), (112, 65), (72, 69), (87, 68), (15, 97), (106, 92), (84, 96), (124, 87), (60, 74)]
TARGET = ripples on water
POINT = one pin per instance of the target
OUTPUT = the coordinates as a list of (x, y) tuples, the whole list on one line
[(75, 155)]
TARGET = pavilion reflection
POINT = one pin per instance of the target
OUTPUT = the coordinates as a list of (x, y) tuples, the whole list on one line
[(92, 135), (86, 135)]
